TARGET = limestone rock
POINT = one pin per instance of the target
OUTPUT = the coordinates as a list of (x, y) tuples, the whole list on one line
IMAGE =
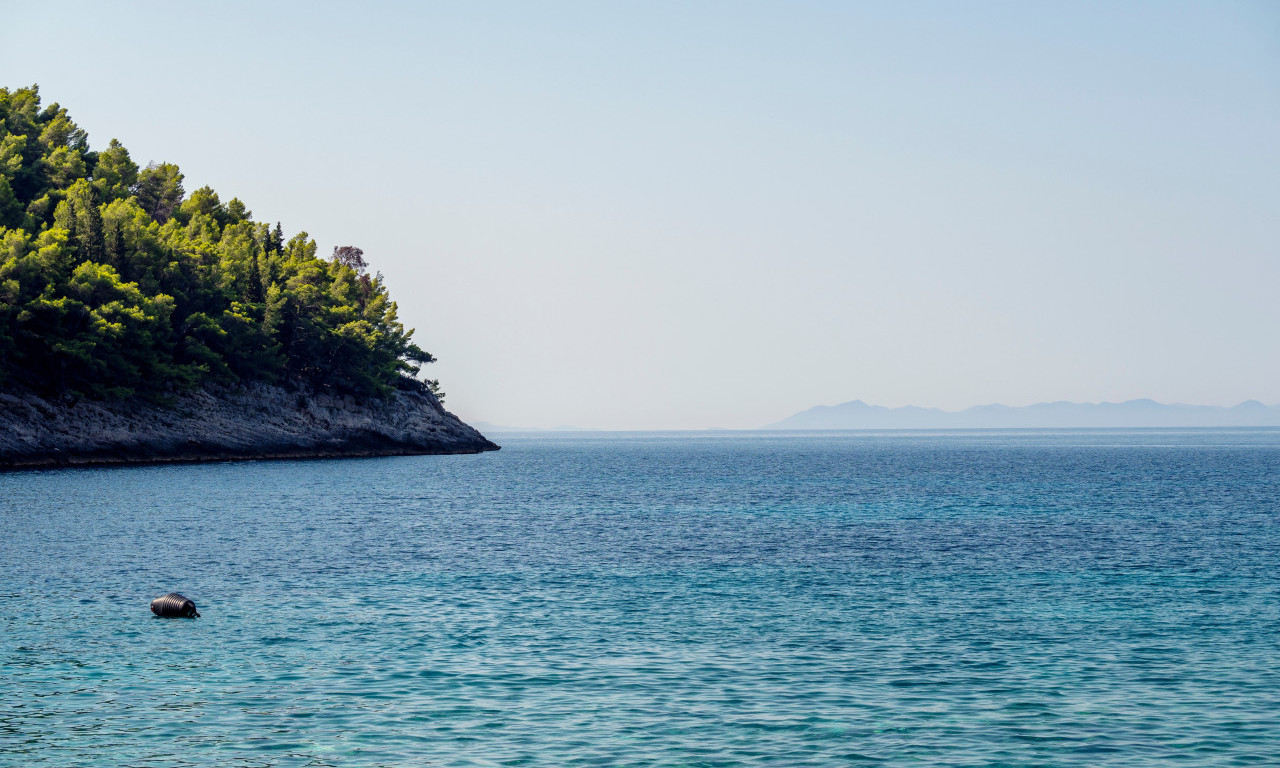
[(256, 421)]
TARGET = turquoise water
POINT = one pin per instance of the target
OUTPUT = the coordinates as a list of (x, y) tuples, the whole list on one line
[(1017, 599)]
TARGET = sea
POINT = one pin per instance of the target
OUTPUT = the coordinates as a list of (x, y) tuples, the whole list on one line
[(995, 598)]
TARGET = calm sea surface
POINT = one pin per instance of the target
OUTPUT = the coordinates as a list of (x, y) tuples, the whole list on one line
[(1079, 598)]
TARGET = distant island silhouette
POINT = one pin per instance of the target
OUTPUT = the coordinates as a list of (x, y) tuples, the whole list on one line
[(856, 414)]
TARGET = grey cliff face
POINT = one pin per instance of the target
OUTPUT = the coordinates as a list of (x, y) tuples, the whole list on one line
[(254, 422)]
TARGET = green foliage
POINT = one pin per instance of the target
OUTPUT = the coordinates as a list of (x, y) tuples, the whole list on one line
[(114, 282), (115, 174), (159, 190)]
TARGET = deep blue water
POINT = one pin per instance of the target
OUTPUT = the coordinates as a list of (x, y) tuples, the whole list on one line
[(1018, 599)]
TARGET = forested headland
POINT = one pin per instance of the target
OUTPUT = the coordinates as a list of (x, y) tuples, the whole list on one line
[(115, 283)]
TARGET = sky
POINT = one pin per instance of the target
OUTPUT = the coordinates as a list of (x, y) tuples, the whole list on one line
[(694, 215)]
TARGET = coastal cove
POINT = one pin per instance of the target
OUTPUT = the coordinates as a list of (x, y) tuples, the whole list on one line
[(1079, 597), (256, 421)]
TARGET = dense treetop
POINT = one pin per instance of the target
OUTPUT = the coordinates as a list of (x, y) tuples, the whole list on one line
[(115, 282)]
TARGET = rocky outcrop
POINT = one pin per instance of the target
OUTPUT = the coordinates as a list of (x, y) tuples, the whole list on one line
[(254, 422)]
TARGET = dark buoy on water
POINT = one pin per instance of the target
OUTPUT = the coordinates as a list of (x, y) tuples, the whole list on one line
[(174, 606)]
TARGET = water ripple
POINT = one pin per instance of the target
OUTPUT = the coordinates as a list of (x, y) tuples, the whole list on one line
[(1019, 599)]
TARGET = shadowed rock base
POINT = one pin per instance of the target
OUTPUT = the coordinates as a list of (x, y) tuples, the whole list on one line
[(254, 422)]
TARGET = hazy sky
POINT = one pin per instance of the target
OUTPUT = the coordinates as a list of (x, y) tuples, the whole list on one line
[(670, 215)]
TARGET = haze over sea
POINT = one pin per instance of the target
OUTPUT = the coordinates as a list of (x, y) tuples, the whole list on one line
[(1093, 597)]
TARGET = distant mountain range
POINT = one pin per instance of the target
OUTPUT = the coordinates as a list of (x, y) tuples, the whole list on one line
[(1132, 413)]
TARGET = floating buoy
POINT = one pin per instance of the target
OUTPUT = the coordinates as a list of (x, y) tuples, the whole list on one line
[(174, 606)]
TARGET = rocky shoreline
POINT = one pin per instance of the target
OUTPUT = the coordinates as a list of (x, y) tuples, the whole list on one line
[(213, 424)]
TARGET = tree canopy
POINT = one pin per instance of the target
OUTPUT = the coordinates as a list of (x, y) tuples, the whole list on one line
[(115, 282)]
